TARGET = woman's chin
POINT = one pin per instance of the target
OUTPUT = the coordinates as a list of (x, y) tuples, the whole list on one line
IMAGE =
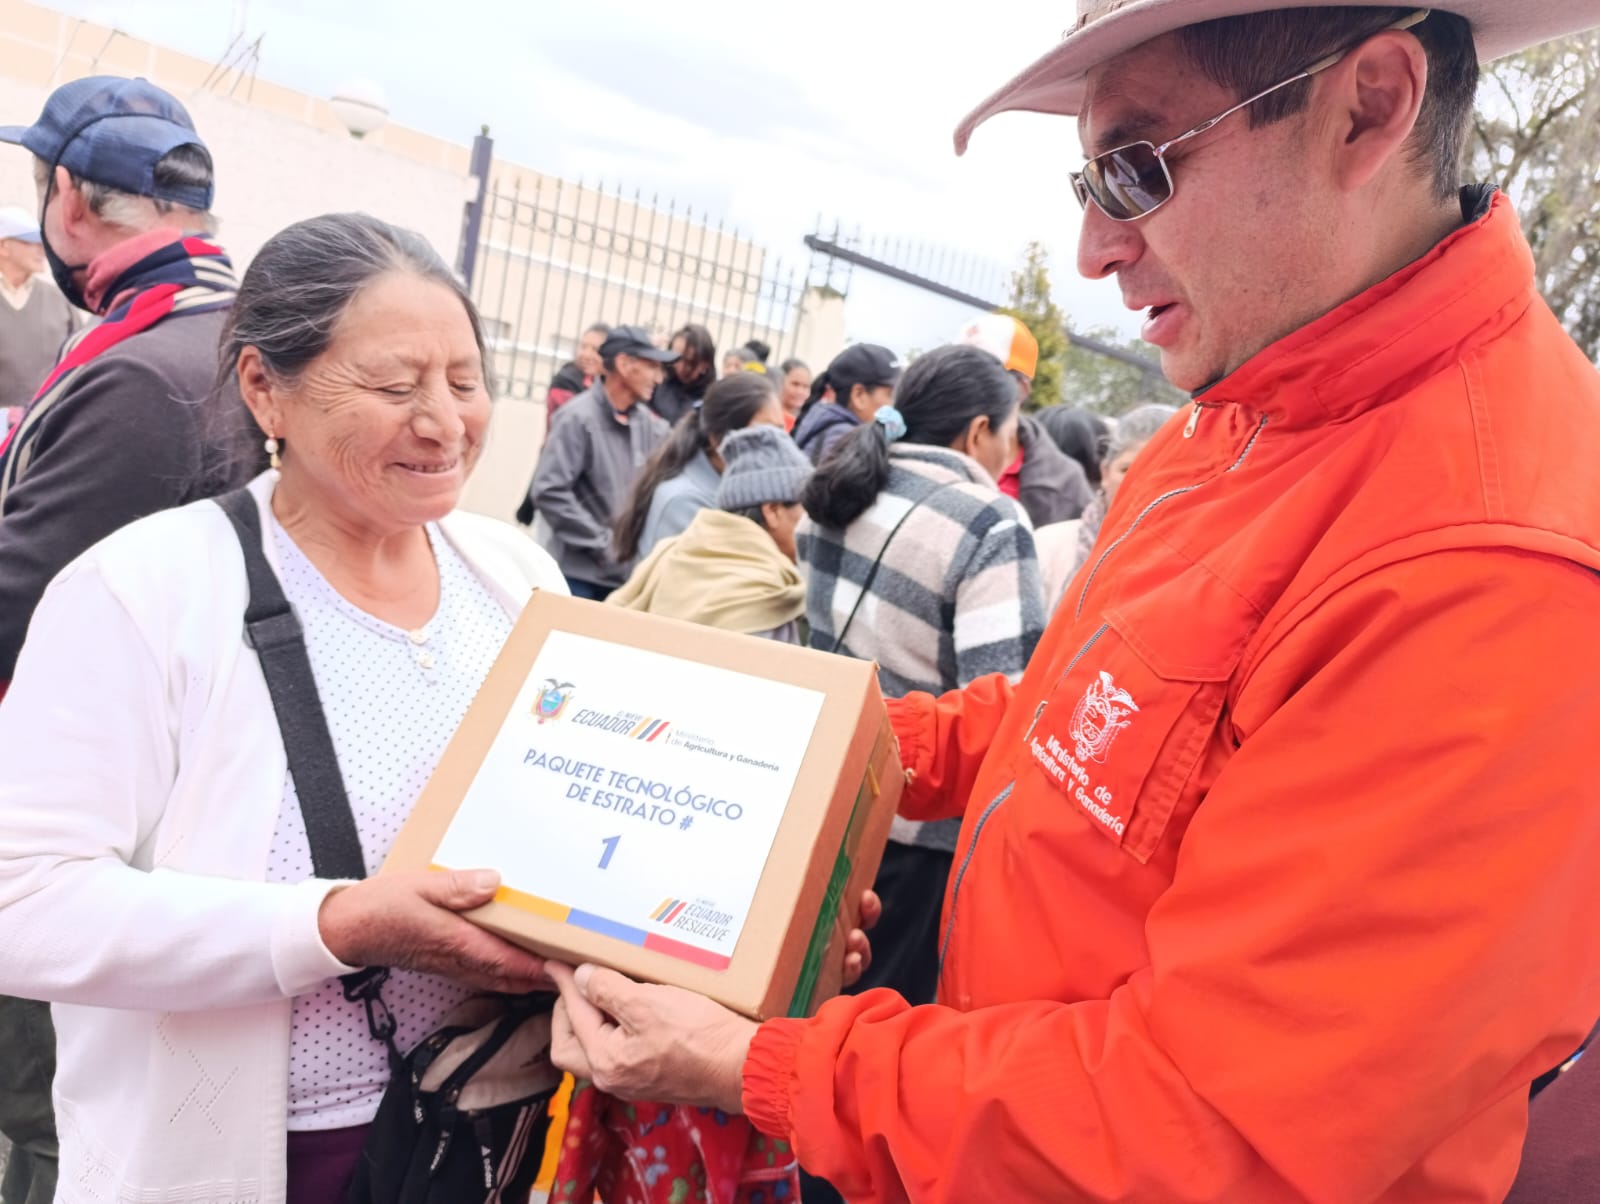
[(426, 496)]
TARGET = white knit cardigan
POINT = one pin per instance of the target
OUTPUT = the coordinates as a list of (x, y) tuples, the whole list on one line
[(141, 772)]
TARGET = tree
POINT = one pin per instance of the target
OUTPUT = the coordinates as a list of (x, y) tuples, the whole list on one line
[(1537, 135), (1074, 371), (1111, 384), (1033, 306)]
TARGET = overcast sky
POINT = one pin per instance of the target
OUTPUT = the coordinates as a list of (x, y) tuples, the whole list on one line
[(764, 114)]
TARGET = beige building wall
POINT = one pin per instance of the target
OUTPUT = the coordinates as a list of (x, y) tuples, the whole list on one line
[(280, 155), (554, 256)]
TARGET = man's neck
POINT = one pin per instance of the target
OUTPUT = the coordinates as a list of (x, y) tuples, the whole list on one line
[(618, 394), (1406, 244), (15, 277)]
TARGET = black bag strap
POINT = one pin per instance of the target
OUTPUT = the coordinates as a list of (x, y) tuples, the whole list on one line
[(271, 628), (872, 573)]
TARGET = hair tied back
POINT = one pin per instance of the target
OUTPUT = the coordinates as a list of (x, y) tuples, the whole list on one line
[(891, 423)]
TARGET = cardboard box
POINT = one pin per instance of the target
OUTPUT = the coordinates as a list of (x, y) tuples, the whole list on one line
[(685, 805)]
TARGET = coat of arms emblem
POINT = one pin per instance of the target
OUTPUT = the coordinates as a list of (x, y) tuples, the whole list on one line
[(1099, 716), (552, 700)]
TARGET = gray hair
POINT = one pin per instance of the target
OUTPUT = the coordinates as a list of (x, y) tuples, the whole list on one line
[(1137, 427), (304, 278), (182, 167)]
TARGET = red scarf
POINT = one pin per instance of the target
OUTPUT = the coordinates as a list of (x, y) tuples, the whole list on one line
[(146, 280)]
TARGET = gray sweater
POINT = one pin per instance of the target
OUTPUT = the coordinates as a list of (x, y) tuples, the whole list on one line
[(590, 459), (133, 434), (30, 340), (677, 500)]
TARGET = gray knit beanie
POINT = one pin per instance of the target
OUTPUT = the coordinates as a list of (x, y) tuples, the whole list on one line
[(760, 465)]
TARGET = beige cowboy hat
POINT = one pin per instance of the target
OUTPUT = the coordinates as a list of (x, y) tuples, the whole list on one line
[(1107, 28)]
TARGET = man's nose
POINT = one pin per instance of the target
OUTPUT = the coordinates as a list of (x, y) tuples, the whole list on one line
[(1106, 247)]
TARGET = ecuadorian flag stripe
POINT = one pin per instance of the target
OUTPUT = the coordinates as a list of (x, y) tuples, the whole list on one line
[(666, 906)]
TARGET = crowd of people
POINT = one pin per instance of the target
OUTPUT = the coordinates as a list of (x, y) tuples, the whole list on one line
[(1246, 834)]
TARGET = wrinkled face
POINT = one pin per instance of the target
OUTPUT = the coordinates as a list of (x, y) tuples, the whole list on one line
[(1116, 469), (588, 357), (386, 424), (781, 523), (639, 376), (996, 447), (796, 388), (1231, 263)]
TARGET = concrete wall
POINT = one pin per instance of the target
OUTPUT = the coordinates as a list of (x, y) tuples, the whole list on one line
[(280, 155)]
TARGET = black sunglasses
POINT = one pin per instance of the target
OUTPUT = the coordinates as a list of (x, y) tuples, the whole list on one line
[(1134, 181)]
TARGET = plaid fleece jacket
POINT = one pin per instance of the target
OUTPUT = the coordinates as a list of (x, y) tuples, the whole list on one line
[(958, 594)]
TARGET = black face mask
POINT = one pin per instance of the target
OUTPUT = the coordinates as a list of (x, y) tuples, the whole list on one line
[(61, 271)]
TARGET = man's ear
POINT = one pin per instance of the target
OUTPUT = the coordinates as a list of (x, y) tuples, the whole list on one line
[(1378, 93), (72, 208)]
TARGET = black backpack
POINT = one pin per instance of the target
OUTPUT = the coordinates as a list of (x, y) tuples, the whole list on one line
[(466, 1113)]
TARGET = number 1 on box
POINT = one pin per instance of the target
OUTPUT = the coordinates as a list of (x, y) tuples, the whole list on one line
[(610, 843)]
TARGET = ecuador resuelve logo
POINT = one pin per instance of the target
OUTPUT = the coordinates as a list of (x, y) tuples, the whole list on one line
[(669, 910)]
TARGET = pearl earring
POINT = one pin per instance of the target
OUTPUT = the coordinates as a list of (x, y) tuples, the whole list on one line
[(272, 452)]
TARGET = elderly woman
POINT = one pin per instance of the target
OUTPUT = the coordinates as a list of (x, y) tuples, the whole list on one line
[(155, 873)]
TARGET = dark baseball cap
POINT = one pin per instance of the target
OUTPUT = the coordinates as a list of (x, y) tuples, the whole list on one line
[(114, 131), (865, 364), (635, 341)]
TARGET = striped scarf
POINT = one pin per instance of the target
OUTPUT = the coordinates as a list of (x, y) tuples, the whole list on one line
[(181, 276)]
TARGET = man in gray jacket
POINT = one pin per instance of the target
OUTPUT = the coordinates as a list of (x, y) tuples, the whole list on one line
[(596, 446)]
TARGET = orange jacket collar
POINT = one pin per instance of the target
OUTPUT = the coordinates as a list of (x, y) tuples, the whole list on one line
[(1382, 343)]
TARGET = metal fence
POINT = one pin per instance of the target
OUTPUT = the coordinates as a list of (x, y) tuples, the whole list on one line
[(546, 258), (553, 257), (967, 279), (940, 270)]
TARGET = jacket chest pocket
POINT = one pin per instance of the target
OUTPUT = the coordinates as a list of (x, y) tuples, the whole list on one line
[(1123, 729)]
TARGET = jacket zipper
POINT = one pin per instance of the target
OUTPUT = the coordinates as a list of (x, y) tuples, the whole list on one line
[(1165, 497), (994, 805)]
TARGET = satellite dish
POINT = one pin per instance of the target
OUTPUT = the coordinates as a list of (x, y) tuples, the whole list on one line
[(360, 106)]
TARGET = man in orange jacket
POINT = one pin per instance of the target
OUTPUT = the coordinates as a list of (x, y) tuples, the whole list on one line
[(1278, 869)]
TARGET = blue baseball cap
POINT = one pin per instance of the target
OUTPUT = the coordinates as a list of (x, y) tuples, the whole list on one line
[(114, 131)]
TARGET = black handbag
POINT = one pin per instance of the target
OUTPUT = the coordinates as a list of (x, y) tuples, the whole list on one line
[(466, 1113)]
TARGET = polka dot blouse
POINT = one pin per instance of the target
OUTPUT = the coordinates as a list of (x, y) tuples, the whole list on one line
[(393, 698)]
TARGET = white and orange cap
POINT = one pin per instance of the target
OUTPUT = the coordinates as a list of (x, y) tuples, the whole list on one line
[(1005, 338)]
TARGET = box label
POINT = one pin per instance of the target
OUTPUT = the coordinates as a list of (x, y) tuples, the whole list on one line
[(636, 794)]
